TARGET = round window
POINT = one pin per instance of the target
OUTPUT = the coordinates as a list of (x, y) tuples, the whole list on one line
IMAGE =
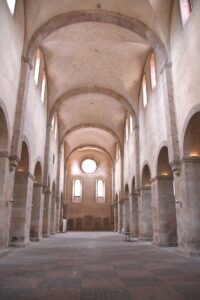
[(89, 166)]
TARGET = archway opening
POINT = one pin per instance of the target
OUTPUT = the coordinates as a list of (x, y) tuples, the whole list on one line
[(145, 217), (37, 205), (165, 227), (20, 218), (191, 169), (4, 171)]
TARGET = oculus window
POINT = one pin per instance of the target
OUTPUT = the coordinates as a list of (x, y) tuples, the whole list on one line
[(89, 166)]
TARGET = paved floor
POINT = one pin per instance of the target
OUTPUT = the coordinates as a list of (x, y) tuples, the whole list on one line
[(97, 266)]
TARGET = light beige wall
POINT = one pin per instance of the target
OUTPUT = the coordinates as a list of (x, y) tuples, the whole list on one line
[(11, 48), (89, 204), (185, 49)]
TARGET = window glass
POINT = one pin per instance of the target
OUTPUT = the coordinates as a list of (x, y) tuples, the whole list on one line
[(186, 8), (37, 67), (43, 89), (53, 123), (100, 188), (144, 90), (153, 71), (11, 5), (130, 124), (77, 188), (126, 130)]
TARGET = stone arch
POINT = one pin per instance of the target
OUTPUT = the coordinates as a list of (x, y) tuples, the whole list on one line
[(90, 146), (37, 205), (190, 174), (20, 217), (164, 211), (5, 134), (192, 113), (97, 89), (145, 217), (146, 176), (89, 125), (100, 16), (191, 143)]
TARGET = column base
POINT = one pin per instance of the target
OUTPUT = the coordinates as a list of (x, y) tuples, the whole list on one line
[(19, 244)]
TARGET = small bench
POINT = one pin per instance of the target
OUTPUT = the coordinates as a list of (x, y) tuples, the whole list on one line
[(128, 236)]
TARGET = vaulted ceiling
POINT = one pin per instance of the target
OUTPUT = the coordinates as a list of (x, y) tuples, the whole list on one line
[(95, 53)]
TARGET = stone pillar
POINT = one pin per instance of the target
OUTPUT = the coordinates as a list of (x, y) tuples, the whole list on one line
[(164, 213), (126, 215), (116, 217), (134, 226), (187, 195), (5, 199), (47, 213), (21, 210), (53, 215), (120, 215), (145, 218), (36, 213), (58, 217)]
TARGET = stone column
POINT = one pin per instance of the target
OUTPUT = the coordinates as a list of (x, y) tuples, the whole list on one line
[(116, 217), (120, 215), (47, 213), (134, 226), (126, 215), (164, 214), (21, 209), (5, 199), (53, 215), (145, 219), (187, 195), (58, 217), (36, 213)]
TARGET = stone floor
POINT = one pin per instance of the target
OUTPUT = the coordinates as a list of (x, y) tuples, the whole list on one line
[(97, 266)]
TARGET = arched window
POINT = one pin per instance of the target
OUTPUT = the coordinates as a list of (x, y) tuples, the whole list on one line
[(43, 89), (186, 8), (11, 5), (37, 66), (144, 90), (126, 130), (100, 191), (152, 71), (53, 123), (76, 188), (56, 129), (130, 124)]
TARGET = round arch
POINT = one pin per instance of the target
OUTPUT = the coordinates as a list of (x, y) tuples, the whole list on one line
[(89, 146), (97, 89), (100, 16), (89, 125)]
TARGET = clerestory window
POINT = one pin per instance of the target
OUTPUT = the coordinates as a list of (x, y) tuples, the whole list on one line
[(152, 71), (11, 5), (144, 90), (186, 9)]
